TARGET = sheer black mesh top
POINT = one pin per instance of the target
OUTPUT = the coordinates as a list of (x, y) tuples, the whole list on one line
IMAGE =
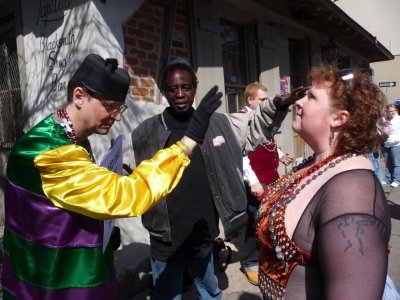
[(346, 230)]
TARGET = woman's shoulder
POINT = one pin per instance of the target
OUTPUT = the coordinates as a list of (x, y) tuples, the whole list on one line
[(357, 168), (352, 176), (353, 190), (355, 162)]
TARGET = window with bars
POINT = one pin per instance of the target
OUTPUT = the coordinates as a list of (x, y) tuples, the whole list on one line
[(233, 45), (10, 91)]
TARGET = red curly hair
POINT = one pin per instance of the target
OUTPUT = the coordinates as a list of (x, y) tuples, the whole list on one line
[(362, 99)]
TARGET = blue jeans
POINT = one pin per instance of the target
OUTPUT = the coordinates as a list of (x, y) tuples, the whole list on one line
[(392, 162), (374, 158), (168, 278)]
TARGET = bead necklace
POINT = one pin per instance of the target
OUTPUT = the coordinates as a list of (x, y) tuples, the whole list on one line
[(270, 143), (280, 194), (67, 124)]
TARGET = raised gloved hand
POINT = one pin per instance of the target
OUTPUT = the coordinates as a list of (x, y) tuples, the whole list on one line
[(290, 98), (201, 116)]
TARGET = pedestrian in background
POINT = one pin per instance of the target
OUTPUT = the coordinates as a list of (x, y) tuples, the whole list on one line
[(397, 104), (375, 160), (57, 198), (391, 148)]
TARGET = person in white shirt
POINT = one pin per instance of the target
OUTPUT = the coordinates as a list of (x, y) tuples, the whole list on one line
[(390, 126)]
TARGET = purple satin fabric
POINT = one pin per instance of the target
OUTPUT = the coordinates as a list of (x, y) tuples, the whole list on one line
[(26, 291), (52, 227)]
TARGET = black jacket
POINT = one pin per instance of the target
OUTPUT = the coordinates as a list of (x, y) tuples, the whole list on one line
[(224, 166)]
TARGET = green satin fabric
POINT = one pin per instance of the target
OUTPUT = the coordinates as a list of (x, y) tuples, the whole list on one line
[(42, 266), (73, 182), (7, 296), (44, 136)]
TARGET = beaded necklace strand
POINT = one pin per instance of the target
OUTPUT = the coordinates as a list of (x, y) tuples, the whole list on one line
[(66, 124), (268, 144), (281, 193)]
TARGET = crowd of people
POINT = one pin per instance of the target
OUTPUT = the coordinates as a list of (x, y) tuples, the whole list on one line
[(307, 234)]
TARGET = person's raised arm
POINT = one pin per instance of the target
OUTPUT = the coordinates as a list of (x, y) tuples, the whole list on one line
[(79, 185), (260, 125), (201, 116)]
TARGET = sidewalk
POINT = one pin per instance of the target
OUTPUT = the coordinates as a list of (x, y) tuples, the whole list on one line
[(236, 287)]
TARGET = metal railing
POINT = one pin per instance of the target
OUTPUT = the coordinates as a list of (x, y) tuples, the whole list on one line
[(11, 117)]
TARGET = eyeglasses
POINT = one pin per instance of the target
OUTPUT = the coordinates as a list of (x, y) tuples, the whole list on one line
[(113, 109)]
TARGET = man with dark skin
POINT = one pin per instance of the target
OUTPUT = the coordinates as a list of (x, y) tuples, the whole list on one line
[(183, 227), (191, 224)]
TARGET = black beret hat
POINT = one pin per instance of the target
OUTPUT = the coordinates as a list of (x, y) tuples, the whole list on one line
[(103, 77), (178, 63)]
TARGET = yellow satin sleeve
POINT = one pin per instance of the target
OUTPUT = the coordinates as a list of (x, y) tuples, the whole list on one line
[(73, 182)]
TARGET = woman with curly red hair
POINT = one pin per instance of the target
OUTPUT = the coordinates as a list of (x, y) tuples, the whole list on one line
[(323, 229)]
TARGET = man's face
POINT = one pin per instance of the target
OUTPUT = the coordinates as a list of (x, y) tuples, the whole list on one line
[(254, 102), (180, 91), (96, 115), (391, 112)]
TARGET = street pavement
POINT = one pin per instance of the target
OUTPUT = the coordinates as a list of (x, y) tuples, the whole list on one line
[(236, 287)]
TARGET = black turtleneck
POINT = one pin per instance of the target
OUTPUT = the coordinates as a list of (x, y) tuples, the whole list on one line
[(191, 211)]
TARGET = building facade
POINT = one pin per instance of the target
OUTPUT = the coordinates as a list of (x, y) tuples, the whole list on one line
[(383, 25)]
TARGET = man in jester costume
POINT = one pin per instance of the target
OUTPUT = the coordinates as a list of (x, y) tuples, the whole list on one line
[(57, 198)]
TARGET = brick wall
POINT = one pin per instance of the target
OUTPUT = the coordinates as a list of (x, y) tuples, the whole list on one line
[(180, 37), (142, 36)]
